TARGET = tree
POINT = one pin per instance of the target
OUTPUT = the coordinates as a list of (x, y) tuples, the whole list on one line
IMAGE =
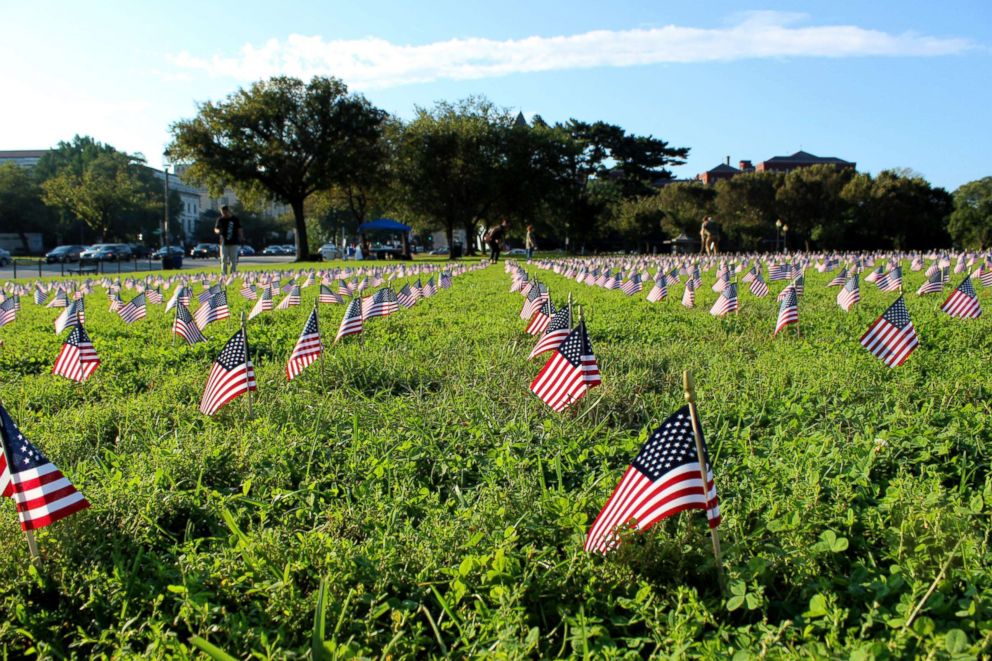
[(971, 221), (746, 208), (281, 137), (809, 201), (896, 211), (108, 186), (450, 164)]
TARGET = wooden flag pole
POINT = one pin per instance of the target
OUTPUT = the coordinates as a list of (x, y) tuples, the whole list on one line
[(28, 534), (690, 398), (316, 313), (569, 309), (244, 330)]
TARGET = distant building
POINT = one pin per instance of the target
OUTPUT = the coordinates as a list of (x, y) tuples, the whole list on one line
[(26, 158), (227, 198), (801, 159), (189, 205)]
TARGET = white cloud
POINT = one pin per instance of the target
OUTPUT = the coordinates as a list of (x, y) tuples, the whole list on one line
[(376, 63)]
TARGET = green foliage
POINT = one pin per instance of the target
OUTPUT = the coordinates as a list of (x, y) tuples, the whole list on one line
[(971, 221), (409, 498), (21, 208), (281, 138)]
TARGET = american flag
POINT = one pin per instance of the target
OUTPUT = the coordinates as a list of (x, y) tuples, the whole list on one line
[(215, 309), (42, 494), (875, 275), (327, 295), (697, 277), (665, 478), (8, 311), (758, 285), (231, 375), (248, 291), (849, 294), (74, 314), (39, 295), (535, 299), (429, 289), (839, 279), (184, 327), (382, 304), (307, 350), (984, 274), (727, 301), (751, 274), (292, 298), (78, 359), (344, 289), (570, 372), (633, 285), (134, 310), (406, 297), (659, 291), (556, 332), (689, 294), (183, 294), (263, 304), (779, 272), (351, 323), (892, 337), (154, 296), (539, 322), (207, 293), (963, 302), (444, 282), (722, 279), (933, 284), (891, 281), (60, 300), (115, 300), (788, 312)]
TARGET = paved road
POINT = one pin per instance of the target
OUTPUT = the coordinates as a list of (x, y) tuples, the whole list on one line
[(29, 268)]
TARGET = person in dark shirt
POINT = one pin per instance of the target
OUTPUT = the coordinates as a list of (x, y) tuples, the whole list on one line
[(496, 236), (228, 228)]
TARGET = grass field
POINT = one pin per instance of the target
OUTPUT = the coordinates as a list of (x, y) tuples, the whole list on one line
[(414, 492)]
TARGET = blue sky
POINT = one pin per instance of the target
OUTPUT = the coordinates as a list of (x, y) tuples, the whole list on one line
[(886, 84)]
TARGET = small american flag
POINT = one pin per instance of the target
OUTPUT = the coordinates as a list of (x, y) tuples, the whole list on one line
[(39, 295), (327, 295), (963, 302), (406, 297), (633, 285), (307, 350), (839, 279), (78, 359), (351, 323), (727, 301), (535, 299), (231, 375), (184, 327), (758, 285), (570, 372), (849, 294), (429, 289), (344, 289), (689, 294), (382, 304), (8, 311), (779, 272), (665, 478), (659, 291), (444, 282), (933, 284), (556, 332), (60, 300), (183, 294), (263, 304), (892, 337), (154, 296), (43, 495), (539, 322), (248, 291), (788, 312), (891, 281), (74, 314), (215, 309), (134, 310), (292, 298)]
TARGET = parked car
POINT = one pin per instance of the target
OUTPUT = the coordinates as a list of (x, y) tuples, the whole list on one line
[(439, 251), (139, 250), (273, 250), (63, 254), (4, 257), (170, 250), (517, 251), (329, 251), (246, 251), (107, 252), (204, 250), (289, 249)]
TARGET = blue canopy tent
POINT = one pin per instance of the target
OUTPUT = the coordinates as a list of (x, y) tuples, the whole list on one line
[(391, 226)]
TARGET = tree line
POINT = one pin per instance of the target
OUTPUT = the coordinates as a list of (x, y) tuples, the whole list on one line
[(336, 161)]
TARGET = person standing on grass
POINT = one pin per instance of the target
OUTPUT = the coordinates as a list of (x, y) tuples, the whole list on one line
[(529, 243), (228, 228), (495, 237)]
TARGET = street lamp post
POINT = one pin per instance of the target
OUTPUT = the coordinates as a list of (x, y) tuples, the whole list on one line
[(778, 233), (785, 238)]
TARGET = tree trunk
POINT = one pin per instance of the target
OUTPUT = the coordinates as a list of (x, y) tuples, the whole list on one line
[(302, 247), (449, 230)]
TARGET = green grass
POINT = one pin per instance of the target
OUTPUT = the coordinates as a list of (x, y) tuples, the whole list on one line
[(415, 489)]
